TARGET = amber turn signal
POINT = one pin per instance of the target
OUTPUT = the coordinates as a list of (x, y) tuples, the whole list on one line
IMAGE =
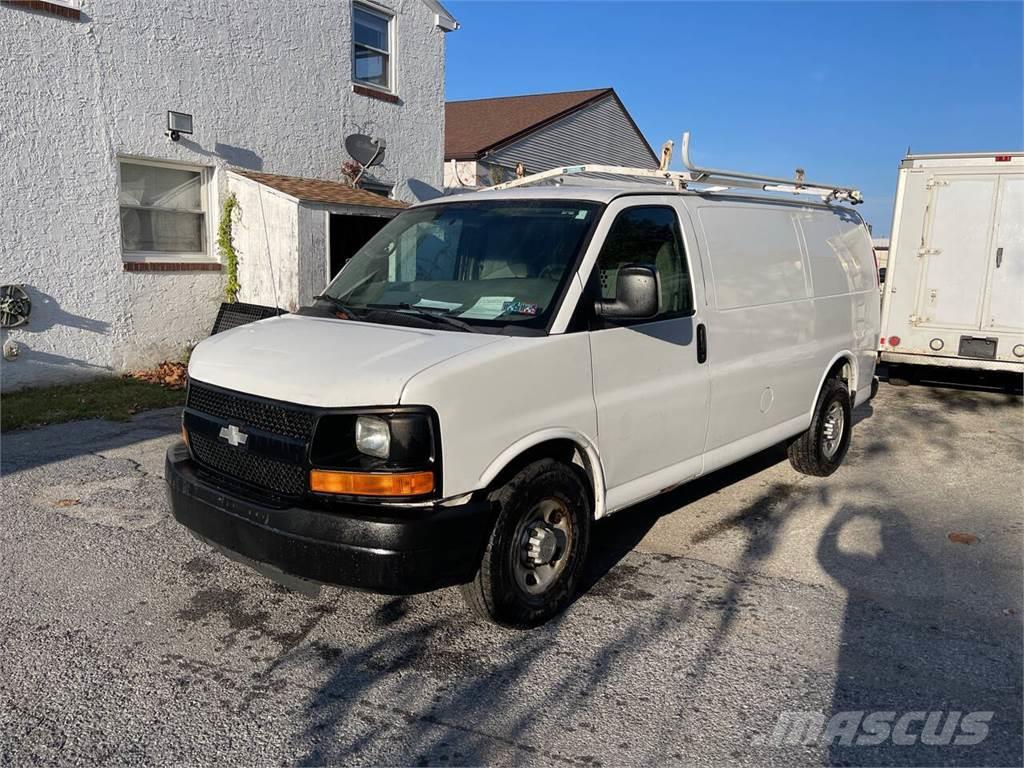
[(371, 484), (184, 435)]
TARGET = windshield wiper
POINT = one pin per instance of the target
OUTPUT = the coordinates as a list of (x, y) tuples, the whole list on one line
[(437, 315)]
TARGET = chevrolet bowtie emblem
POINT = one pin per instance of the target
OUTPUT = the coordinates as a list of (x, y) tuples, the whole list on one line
[(233, 435)]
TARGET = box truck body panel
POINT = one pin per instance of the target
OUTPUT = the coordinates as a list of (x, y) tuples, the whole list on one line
[(954, 292), (1005, 311)]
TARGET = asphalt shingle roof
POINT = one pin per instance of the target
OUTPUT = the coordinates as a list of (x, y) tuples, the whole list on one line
[(472, 127), (321, 190)]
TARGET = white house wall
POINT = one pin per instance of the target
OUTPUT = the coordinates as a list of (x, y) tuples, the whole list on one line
[(167, 313), (269, 87), (598, 133)]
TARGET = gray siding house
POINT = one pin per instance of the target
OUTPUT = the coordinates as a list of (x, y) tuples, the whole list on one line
[(485, 139)]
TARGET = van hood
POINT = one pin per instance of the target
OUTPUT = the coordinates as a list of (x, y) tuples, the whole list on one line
[(324, 362)]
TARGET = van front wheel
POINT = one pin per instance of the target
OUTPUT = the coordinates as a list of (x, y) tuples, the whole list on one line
[(820, 450), (534, 557)]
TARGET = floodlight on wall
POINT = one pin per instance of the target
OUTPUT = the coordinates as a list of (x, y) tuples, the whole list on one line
[(178, 123)]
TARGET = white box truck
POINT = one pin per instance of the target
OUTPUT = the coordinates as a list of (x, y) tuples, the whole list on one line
[(954, 284)]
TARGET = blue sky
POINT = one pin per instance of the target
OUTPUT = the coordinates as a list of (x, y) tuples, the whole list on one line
[(839, 89)]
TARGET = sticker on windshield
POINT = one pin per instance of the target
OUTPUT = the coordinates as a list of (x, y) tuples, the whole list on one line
[(487, 307), (520, 308)]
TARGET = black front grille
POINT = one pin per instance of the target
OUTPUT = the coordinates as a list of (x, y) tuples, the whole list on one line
[(263, 462), (252, 468), (245, 411)]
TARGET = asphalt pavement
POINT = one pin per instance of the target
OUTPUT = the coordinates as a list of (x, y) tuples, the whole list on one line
[(707, 614)]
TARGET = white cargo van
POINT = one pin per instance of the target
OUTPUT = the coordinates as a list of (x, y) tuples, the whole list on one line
[(954, 285), (493, 372)]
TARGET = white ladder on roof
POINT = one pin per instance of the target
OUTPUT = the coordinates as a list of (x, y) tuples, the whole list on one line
[(711, 180)]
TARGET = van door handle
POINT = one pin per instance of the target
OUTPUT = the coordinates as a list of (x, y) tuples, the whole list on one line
[(999, 257), (702, 343)]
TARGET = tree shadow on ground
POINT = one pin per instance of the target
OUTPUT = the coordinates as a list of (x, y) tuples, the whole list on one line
[(614, 537), (619, 534), (902, 651), (486, 671), (897, 650), (495, 691)]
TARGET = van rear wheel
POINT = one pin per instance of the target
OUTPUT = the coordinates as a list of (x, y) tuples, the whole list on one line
[(535, 554), (820, 450)]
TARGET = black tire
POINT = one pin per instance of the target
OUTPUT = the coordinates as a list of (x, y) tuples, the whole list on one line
[(495, 593), (811, 453)]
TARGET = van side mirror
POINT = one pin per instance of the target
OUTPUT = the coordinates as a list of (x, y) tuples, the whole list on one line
[(636, 294)]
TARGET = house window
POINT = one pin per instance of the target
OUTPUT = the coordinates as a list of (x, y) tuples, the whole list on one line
[(371, 55), (163, 210)]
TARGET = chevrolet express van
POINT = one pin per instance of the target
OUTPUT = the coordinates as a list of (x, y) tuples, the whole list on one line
[(493, 372)]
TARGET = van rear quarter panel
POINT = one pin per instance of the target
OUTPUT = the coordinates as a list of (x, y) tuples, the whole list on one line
[(523, 391), (848, 316)]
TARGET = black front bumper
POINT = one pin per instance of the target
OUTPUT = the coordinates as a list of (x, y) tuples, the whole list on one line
[(391, 549)]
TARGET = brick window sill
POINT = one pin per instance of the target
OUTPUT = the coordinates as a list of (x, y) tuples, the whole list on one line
[(173, 266), (56, 9), (373, 93)]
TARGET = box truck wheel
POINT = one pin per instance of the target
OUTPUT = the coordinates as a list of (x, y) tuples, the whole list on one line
[(534, 557), (820, 450)]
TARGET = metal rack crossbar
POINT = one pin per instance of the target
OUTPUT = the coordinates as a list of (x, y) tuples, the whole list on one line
[(711, 179)]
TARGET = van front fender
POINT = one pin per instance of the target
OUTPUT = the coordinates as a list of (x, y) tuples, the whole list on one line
[(591, 460)]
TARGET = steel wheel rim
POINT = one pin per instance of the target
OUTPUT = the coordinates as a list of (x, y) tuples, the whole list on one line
[(545, 533), (832, 430)]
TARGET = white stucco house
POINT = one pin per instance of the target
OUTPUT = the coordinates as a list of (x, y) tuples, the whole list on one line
[(110, 226)]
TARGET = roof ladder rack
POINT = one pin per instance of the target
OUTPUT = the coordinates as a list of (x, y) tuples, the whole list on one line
[(712, 179)]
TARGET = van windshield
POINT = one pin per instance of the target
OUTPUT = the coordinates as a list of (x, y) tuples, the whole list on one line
[(496, 262)]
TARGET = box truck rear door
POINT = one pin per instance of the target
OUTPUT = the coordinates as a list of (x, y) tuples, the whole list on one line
[(956, 251), (1004, 310)]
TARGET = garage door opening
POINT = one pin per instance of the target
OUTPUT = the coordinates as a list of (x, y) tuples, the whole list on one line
[(348, 235)]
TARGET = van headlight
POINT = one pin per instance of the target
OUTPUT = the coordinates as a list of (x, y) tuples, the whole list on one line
[(379, 452), (373, 436)]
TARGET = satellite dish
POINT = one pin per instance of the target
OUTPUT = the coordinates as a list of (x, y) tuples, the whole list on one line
[(365, 150)]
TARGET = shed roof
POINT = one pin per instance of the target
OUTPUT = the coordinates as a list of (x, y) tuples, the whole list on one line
[(475, 126), (321, 190)]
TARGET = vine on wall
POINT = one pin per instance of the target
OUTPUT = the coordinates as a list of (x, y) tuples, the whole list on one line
[(227, 248)]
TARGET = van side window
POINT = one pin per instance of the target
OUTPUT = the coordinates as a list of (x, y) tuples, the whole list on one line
[(648, 235)]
